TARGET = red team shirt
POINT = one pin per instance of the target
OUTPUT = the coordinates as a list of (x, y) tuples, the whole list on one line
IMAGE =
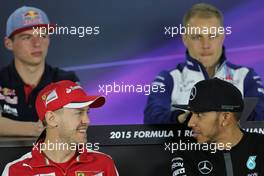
[(85, 163)]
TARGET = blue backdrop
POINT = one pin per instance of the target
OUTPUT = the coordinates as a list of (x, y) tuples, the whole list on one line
[(131, 47)]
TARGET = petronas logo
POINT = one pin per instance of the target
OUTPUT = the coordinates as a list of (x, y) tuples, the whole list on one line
[(251, 162)]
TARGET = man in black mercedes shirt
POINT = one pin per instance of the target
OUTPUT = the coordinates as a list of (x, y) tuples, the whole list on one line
[(21, 81), (222, 148)]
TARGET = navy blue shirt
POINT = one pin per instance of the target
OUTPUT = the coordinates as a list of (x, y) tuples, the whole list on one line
[(13, 103)]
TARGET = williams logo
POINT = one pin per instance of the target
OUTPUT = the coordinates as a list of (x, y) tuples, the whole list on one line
[(251, 163)]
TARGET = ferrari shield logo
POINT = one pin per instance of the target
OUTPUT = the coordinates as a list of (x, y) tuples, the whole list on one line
[(80, 174)]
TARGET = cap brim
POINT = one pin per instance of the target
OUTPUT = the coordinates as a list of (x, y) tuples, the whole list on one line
[(249, 105), (91, 101), (182, 107)]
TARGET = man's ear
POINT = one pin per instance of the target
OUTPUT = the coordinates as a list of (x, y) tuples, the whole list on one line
[(51, 119), (226, 118), (223, 39), (8, 43)]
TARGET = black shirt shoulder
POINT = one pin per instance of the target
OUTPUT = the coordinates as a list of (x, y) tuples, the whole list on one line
[(255, 140), (51, 74), (59, 74), (4, 74)]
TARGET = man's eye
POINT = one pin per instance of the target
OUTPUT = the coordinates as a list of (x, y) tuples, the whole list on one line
[(78, 113), (213, 36), (26, 37), (199, 115), (195, 37), (44, 36)]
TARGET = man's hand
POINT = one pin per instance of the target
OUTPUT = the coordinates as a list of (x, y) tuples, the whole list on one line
[(9, 127), (36, 128)]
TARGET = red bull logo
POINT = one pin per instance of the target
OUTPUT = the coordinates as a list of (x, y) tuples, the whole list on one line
[(31, 17), (8, 92), (31, 14)]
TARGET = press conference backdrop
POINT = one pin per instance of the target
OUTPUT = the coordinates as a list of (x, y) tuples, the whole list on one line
[(127, 45)]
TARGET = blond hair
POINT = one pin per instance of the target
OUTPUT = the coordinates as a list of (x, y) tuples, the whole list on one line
[(203, 10)]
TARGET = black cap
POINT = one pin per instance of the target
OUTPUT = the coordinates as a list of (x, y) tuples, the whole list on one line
[(214, 95)]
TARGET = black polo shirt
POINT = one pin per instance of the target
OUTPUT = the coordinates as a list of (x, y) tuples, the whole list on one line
[(244, 159), (13, 102)]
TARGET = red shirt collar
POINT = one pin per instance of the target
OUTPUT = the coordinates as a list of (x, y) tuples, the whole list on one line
[(40, 160)]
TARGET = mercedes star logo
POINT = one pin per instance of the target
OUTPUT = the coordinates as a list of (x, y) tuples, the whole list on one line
[(205, 167), (193, 93)]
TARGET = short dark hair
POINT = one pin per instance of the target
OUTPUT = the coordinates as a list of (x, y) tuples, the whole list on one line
[(12, 38), (203, 10)]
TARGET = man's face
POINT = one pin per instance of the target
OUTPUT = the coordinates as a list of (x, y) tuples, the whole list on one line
[(205, 126), (28, 47), (206, 48), (73, 125)]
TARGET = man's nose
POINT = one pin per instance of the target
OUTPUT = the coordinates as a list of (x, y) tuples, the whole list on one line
[(36, 41), (191, 122), (205, 41), (86, 119)]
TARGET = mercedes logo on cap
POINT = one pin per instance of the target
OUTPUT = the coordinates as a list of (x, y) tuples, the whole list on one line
[(193, 93), (205, 167)]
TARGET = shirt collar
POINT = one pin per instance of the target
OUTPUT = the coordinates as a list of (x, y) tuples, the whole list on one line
[(40, 160), (17, 80)]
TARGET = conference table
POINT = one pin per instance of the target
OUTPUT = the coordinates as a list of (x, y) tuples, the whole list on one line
[(141, 150)]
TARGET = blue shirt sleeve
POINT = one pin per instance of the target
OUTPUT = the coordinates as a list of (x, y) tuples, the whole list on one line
[(253, 87), (158, 108)]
